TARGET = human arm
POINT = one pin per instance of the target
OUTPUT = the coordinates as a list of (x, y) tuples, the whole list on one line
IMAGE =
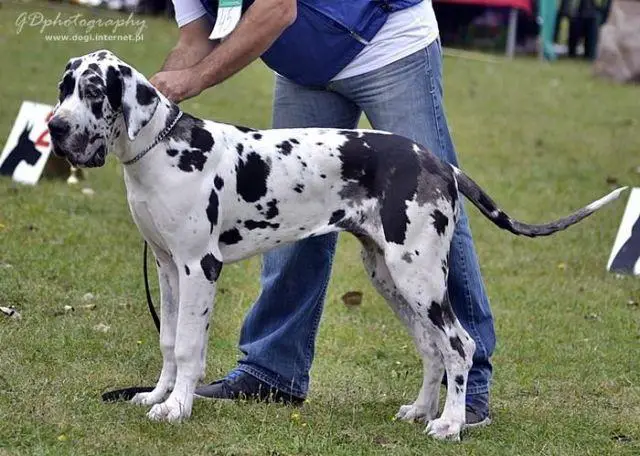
[(259, 27)]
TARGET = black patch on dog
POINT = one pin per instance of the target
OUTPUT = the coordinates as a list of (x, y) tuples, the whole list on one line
[(407, 257), (96, 109), (440, 221), (239, 148), (284, 147), (187, 270), (207, 327), (230, 237), (74, 64), (190, 160), (144, 94), (66, 86), (251, 178), (383, 167), (459, 380), (262, 224), (212, 210), (218, 182), (244, 129), (114, 88), (205, 311), (441, 314), (336, 216), (211, 267), (201, 138), (102, 55), (125, 71), (294, 141), (298, 188), (272, 209), (172, 152), (96, 68), (456, 344), (257, 136), (323, 176)]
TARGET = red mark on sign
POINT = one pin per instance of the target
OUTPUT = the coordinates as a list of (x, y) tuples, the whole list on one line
[(43, 139)]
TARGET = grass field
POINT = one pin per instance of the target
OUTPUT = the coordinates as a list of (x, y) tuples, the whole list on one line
[(543, 139)]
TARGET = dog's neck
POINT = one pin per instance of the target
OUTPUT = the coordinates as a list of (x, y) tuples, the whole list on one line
[(127, 151)]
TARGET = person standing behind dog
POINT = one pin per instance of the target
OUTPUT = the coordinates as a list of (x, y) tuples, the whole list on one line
[(332, 62)]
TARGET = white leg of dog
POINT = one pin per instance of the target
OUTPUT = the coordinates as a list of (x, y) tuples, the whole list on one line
[(425, 407), (169, 293), (197, 292), (424, 289)]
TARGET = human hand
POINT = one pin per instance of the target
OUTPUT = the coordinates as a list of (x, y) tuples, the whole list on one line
[(177, 85)]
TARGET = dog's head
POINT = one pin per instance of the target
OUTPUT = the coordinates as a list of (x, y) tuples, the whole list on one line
[(100, 96)]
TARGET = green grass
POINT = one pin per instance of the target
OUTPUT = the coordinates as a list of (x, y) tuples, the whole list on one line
[(541, 138)]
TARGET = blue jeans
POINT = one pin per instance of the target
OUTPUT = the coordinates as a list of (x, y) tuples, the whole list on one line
[(279, 332)]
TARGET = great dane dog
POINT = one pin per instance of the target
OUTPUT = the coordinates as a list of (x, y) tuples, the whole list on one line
[(205, 193)]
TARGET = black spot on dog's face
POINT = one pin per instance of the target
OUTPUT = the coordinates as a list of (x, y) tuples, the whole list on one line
[(67, 86), (212, 210), (172, 152), (407, 258), (230, 237), (125, 71), (240, 148), (74, 64), (205, 311), (257, 136), (294, 141), (336, 216), (144, 94), (251, 178), (114, 88), (187, 270), (298, 188), (211, 267), (440, 221), (218, 182)]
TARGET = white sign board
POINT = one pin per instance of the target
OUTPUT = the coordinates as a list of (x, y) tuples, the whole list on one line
[(28, 146), (626, 248)]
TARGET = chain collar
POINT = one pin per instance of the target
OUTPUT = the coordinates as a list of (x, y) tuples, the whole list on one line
[(158, 139)]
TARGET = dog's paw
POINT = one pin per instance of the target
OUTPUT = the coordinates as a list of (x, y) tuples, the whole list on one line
[(170, 410), (412, 412), (150, 398), (444, 429)]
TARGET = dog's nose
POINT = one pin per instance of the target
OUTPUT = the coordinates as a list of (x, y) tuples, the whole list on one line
[(58, 128)]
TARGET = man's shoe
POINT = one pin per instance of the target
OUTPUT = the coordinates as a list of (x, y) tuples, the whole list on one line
[(240, 385), (476, 418)]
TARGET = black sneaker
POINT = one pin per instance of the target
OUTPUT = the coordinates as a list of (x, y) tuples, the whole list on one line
[(476, 417), (240, 385)]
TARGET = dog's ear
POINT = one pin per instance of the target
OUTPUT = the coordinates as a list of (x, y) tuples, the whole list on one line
[(130, 91)]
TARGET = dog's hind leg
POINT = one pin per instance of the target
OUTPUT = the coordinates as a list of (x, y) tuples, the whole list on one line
[(168, 280), (425, 407), (197, 292), (422, 282)]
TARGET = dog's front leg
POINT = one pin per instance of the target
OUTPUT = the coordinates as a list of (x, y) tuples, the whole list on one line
[(169, 294), (197, 292)]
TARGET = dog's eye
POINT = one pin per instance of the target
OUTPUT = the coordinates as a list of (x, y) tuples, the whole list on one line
[(92, 91)]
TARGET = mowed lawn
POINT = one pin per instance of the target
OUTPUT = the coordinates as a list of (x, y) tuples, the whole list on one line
[(542, 139)]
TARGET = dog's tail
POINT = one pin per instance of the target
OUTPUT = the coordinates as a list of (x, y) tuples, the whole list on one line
[(490, 209)]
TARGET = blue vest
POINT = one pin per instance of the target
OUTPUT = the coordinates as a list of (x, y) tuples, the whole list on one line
[(325, 37)]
